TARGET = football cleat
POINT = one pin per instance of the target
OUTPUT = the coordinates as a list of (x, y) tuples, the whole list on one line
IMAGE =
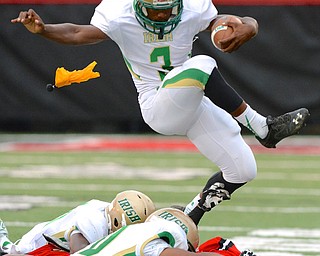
[(213, 196), (3, 232), (2, 253), (284, 126), (247, 253), (3, 229), (56, 242)]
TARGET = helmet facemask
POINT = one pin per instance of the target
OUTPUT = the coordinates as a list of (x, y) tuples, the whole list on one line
[(116, 218), (158, 27)]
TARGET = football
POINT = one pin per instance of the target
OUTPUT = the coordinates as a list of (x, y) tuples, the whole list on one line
[(221, 31)]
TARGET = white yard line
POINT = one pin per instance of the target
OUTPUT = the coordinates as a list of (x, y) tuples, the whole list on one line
[(156, 188), (27, 202)]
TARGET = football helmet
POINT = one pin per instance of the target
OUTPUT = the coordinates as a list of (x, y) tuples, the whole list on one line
[(158, 27), (183, 220), (128, 207)]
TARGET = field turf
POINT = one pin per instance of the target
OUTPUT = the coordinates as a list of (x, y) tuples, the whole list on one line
[(276, 214)]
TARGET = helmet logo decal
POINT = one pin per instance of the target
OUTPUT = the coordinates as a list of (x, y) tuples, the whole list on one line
[(168, 216), (129, 211)]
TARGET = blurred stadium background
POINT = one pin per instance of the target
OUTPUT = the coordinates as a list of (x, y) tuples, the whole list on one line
[(276, 72), (59, 149)]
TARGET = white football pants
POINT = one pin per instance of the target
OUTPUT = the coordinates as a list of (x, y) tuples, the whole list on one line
[(179, 107)]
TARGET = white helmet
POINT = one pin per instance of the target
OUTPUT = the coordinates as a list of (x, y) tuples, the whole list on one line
[(128, 207), (183, 220)]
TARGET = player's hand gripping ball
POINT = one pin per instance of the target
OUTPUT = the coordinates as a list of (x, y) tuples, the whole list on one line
[(220, 30)]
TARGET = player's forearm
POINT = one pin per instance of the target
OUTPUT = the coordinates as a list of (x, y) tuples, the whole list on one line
[(77, 242), (65, 33)]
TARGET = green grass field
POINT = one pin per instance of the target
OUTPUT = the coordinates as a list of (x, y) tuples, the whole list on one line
[(276, 214)]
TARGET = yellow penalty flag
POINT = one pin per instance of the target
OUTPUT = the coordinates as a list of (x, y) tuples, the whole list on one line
[(65, 77)]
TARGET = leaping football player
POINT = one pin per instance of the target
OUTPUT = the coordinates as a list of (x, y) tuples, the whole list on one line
[(181, 94)]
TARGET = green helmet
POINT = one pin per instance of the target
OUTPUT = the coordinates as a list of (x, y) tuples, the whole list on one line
[(158, 27)]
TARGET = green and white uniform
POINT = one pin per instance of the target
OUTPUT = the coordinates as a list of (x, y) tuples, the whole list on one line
[(88, 219), (171, 83), (144, 239), (148, 58)]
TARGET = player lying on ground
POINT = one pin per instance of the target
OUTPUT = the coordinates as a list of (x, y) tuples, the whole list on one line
[(84, 224), (166, 232), (179, 94)]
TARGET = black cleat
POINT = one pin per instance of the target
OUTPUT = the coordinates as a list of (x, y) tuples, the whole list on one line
[(3, 233), (213, 196), (284, 126), (247, 253)]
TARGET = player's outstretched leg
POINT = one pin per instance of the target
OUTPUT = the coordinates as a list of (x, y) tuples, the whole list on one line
[(216, 190), (269, 131), (284, 126)]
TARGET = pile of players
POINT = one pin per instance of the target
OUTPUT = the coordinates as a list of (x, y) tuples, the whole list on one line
[(129, 225)]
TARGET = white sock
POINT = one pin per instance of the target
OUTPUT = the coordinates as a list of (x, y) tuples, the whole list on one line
[(192, 204), (255, 122)]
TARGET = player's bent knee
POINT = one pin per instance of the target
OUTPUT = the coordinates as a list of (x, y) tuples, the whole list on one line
[(202, 62), (250, 172), (246, 169)]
